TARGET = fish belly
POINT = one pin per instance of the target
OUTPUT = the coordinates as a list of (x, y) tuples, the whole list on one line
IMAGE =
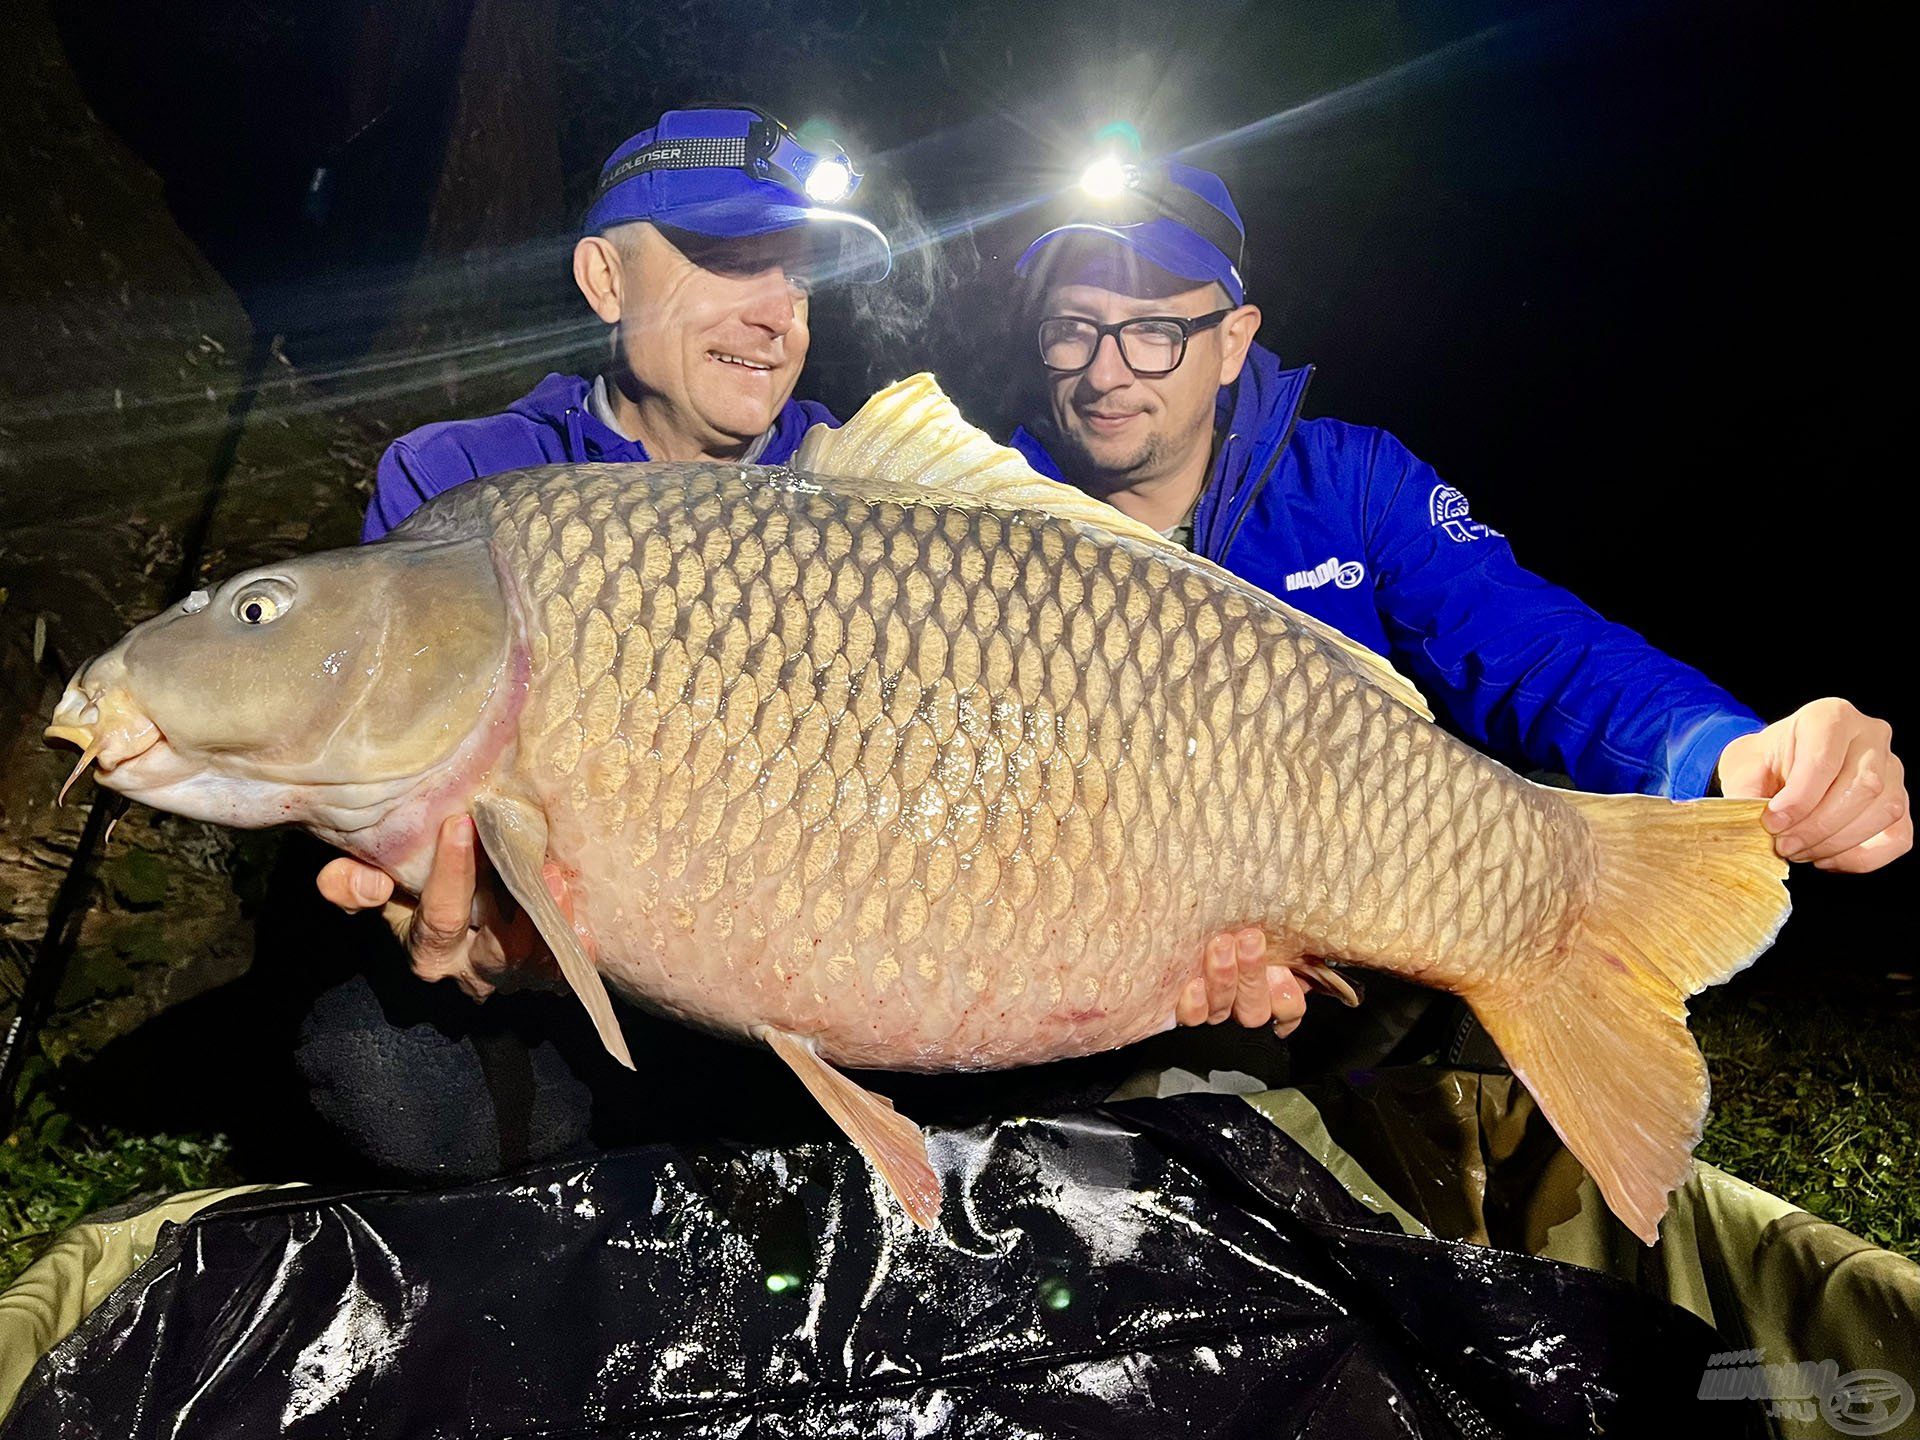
[(945, 787)]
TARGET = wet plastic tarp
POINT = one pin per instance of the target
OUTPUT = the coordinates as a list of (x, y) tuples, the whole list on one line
[(1147, 1268), (1468, 1155)]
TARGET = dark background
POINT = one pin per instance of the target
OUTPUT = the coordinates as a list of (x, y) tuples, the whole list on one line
[(1626, 274)]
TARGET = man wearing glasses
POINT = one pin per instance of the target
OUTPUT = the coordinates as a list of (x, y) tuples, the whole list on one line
[(1160, 403)]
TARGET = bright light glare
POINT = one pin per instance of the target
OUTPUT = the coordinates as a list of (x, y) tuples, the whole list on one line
[(1105, 178), (829, 181)]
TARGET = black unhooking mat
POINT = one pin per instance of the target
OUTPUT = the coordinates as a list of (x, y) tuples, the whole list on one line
[(1154, 1268)]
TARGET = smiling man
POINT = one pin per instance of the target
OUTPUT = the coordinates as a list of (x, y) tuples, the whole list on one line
[(703, 241), (701, 246), (1160, 402)]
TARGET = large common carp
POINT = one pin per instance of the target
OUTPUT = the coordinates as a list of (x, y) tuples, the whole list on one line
[(906, 758)]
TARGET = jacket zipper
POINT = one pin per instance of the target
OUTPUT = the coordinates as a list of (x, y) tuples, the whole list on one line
[(1286, 438)]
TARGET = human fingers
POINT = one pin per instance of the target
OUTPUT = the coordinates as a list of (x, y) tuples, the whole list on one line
[(1866, 796), (1874, 852), (1880, 811), (1288, 996), (1819, 748), (353, 885), (1191, 1008), (1223, 976), (442, 921), (1253, 1003)]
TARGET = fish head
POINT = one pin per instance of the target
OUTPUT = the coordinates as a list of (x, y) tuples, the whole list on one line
[(321, 687)]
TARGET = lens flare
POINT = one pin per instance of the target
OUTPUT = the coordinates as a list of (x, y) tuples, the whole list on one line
[(829, 181), (1106, 178)]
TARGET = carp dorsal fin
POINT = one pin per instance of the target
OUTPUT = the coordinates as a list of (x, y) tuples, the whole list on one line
[(911, 434)]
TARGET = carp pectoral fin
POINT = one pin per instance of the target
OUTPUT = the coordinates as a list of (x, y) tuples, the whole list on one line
[(515, 837), (892, 1144)]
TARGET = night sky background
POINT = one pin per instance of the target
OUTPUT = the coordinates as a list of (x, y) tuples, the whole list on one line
[(1624, 273)]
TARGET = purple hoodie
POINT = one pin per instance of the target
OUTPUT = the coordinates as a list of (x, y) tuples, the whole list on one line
[(549, 426)]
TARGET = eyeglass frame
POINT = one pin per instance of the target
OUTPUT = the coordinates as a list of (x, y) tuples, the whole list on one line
[(1189, 327)]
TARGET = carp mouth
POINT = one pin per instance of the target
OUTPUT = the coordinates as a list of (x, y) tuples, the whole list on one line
[(109, 728)]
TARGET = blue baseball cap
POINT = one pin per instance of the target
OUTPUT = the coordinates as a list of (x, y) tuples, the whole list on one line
[(1180, 218), (733, 172)]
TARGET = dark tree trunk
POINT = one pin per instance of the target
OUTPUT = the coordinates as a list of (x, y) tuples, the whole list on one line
[(127, 413), (489, 277), (499, 183)]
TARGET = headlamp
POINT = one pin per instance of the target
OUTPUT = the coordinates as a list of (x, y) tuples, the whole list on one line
[(1125, 193), (831, 180), (775, 153), (768, 151), (1109, 177)]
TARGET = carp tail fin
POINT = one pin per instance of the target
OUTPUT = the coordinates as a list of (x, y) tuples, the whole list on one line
[(1686, 896)]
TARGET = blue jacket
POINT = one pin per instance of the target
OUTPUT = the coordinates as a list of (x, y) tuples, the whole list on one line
[(1341, 521), (549, 426)]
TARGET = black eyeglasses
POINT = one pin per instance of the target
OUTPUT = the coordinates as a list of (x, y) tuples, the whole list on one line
[(1151, 346)]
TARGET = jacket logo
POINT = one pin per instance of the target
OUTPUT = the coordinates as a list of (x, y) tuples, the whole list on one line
[(1448, 509), (1345, 574)]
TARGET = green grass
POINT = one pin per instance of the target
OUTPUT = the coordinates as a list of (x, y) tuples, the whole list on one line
[(1817, 1105), (54, 1171)]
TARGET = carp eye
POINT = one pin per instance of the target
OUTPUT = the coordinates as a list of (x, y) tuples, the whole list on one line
[(262, 602)]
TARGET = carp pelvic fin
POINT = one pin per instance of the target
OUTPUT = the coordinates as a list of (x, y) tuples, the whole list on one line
[(911, 436), (891, 1143), (515, 837), (1685, 896)]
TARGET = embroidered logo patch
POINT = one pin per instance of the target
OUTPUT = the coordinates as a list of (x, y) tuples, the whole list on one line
[(1345, 574), (1448, 509)]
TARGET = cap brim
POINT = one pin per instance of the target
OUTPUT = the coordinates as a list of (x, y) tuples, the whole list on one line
[(861, 253), (1165, 243)]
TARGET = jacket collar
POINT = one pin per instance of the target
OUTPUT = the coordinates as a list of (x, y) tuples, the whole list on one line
[(560, 403), (1254, 416)]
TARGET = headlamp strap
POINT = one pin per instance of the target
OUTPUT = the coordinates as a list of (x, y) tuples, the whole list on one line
[(698, 152), (1196, 212)]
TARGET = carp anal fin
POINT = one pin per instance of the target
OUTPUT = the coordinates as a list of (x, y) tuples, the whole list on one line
[(911, 435), (515, 837), (891, 1143)]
